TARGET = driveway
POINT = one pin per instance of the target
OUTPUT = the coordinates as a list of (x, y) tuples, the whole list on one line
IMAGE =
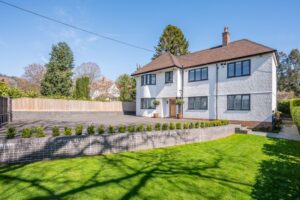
[(71, 119)]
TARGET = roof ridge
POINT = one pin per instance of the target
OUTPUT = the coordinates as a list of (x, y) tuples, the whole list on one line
[(173, 59)]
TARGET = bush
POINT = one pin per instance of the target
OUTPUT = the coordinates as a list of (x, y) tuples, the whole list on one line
[(122, 129), (79, 129), (284, 107), (149, 127), (178, 126), (111, 129), (165, 126), (67, 131), (55, 131), (11, 132), (26, 133), (101, 129), (140, 128), (172, 126), (296, 116), (197, 124), (131, 128), (186, 125), (191, 125), (294, 103), (157, 126), (38, 131), (91, 130)]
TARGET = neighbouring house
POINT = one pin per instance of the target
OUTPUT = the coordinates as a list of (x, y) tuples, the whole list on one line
[(234, 81), (104, 89)]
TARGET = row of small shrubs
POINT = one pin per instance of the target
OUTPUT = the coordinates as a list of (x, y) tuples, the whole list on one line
[(295, 112), (132, 128)]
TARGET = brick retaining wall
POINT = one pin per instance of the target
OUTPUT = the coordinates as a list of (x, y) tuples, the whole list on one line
[(34, 149)]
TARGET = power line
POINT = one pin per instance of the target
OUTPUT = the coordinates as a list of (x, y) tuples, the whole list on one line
[(74, 27)]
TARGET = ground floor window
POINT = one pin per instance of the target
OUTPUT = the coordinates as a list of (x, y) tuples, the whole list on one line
[(238, 102), (197, 103), (147, 103)]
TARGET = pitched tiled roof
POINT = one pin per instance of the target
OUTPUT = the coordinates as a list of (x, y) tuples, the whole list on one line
[(234, 50)]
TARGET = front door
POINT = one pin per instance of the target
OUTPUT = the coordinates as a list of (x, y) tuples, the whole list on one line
[(172, 103)]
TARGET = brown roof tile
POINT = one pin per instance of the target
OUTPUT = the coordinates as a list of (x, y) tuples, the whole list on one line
[(234, 50)]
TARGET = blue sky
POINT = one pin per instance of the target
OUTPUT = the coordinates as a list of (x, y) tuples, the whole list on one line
[(26, 39)]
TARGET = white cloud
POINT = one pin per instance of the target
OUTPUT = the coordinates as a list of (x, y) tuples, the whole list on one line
[(92, 39)]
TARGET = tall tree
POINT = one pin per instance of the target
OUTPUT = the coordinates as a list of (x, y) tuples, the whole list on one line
[(82, 89), (89, 69), (57, 80), (34, 74), (172, 40), (127, 87)]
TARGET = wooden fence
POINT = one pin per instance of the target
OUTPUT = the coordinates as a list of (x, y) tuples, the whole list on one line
[(62, 105), (5, 110)]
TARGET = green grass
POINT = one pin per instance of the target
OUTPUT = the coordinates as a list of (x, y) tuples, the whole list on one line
[(236, 167)]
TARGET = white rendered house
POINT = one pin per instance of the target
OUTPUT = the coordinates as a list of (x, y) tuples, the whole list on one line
[(234, 81)]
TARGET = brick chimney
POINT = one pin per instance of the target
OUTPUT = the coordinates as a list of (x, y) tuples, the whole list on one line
[(226, 37)]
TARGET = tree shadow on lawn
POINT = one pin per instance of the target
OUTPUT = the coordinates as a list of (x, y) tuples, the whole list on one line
[(279, 177)]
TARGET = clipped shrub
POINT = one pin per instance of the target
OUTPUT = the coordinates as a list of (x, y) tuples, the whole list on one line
[(294, 103), (172, 126), (55, 131), (122, 129), (197, 124), (284, 107), (26, 133), (111, 129), (11, 132), (131, 128), (79, 129), (39, 131), (157, 126), (191, 125), (165, 126), (101, 129), (140, 128), (296, 116), (91, 130), (149, 127), (202, 124), (186, 125), (178, 126), (67, 131)]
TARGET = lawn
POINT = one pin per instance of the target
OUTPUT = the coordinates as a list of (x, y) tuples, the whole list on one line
[(236, 167)]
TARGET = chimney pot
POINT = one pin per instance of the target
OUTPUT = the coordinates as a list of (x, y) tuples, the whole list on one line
[(226, 37)]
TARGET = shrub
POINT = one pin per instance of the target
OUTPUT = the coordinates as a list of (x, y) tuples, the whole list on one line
[(294, 103), (296, 116), (122, 129), (149, 127), (156, 102), (197, 124), (165, 126), (39, 131), (172, 126), (91, 129), (186, 125), (178, 126), (26, 133), (11, 132), (140, 128), (67, 131), (157, 126), (78, 129), (111, 129), (131, 128), (191, 125), (55, 131), (101, 129), (284, 107)]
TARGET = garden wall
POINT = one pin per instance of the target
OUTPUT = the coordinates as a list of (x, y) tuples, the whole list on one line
[(34, 149), (63, 105)]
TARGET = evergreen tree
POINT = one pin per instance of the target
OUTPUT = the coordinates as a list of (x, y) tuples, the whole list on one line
[(82, 89), (58, 78), (127, 87), (172, 40)]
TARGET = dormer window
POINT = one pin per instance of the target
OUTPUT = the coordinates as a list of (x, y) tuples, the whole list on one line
[(169, 77)]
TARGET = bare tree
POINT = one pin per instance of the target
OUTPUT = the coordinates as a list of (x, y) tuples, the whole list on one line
[(89, 69), (34, 73)]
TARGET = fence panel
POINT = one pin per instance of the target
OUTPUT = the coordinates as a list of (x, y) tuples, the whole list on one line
[(5, 110)]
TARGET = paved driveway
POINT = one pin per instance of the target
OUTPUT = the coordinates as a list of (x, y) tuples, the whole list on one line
[(61, 119)]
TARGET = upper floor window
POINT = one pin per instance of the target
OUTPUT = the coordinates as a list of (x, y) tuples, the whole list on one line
[(148, 79), (238, 102), (197, 103), (169, 77), (147, 103), (240, 68), (200, 74)]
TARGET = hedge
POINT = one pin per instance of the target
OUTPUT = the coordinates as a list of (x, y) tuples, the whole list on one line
[(284, 107), (295, 111)]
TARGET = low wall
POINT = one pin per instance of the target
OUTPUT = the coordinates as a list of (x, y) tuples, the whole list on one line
[(34, 149), (63, 105)]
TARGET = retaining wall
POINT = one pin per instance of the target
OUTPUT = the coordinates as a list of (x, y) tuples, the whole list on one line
[(34, 149)]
